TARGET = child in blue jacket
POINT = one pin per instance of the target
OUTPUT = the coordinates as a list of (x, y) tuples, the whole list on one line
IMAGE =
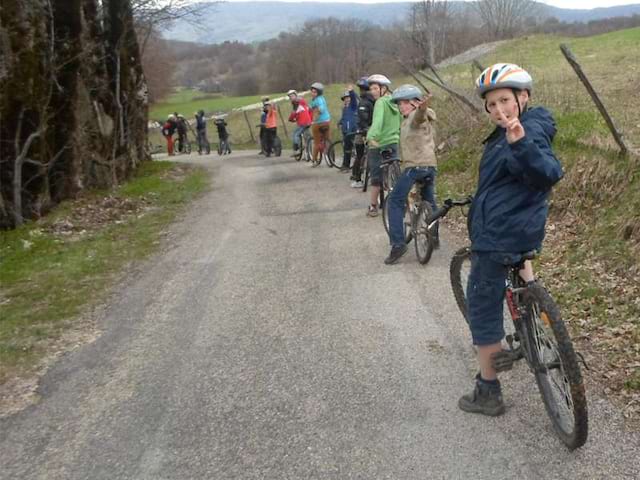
[(508, 214), (349, 125)]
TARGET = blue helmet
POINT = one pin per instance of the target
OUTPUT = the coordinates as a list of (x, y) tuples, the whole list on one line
[(363, 82)]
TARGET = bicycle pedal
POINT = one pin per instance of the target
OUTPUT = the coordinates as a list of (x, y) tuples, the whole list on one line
[(504, 360)]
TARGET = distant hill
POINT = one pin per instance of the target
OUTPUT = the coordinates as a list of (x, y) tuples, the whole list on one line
[(256, 21)]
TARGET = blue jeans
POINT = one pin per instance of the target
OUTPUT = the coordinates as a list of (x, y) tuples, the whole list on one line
[(297, 133), (398, 199)]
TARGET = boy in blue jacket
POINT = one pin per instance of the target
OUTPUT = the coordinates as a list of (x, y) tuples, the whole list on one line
[(349, 125), (508, 214)]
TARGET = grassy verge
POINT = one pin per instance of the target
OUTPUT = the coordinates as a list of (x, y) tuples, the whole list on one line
[(54, 268)]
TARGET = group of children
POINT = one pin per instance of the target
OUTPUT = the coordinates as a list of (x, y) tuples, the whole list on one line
[(510, 207), (176, 123)]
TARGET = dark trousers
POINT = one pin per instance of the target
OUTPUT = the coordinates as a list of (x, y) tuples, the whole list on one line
[(269, 137), (356, 170), (347, 145)]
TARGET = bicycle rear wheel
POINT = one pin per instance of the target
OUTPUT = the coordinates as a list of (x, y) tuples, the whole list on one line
[(459, 270), (277, 146), (424, 239), (309, 150), (556, 367)]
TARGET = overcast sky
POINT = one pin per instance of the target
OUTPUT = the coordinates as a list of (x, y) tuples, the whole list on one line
[(582, 4)]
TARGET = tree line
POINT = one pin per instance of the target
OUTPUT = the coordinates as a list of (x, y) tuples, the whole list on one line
[(338, 50)]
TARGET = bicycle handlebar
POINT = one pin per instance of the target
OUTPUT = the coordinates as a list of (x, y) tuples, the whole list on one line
[(448, 205)]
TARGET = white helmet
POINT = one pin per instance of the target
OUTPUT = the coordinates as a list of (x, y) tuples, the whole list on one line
[(503, 75), (292, 92), (379, 79), (318, 87)]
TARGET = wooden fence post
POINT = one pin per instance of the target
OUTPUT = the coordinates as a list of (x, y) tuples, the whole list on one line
[(249, 126), (284, 125), (596, 99)]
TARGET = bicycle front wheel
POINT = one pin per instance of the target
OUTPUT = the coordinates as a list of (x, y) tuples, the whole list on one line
[(424, 239), (459, 270), (336, 153), (394, 174), (556, 367)]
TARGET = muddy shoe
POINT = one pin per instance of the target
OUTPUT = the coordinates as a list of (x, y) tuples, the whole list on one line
[(485, 399)]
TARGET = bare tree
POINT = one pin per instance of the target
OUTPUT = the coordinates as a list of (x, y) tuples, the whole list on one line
[(505, 18), (429, 23), (152, 15)]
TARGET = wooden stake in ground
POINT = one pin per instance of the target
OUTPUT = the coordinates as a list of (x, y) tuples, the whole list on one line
[(596, 99), (249, 126), (284, 125)]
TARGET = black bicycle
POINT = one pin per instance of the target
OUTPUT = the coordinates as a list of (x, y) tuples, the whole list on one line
[(537, 333)]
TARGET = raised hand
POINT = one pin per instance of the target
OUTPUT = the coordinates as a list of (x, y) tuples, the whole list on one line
[(423, 103), (515, 130)]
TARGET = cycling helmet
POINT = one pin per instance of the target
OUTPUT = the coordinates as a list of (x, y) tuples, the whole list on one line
[(363, 82), (406, 92), (345, 94), (379, 79), (318, 87), (171, 116), (292, 92), (503, 75)]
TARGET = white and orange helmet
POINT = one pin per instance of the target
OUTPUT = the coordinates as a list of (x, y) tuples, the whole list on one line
[(503, 75)]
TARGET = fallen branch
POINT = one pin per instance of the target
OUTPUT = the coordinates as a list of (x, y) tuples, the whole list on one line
[(453, 93), (594, 96), (410, 72)]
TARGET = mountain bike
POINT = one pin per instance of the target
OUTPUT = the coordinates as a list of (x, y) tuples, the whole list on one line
[(537, 334), (303, 152)]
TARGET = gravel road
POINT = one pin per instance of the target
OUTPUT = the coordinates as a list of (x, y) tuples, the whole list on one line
[(268, 341)]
